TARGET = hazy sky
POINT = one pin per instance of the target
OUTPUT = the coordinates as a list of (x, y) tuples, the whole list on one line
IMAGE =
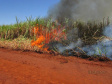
[(9, 9)]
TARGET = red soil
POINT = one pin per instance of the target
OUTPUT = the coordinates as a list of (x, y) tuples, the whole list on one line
[(17, 67)]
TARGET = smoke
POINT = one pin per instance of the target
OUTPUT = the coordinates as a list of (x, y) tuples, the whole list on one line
[(72, 35), (85, 10), (103, 47), (72, 45), (81, 9)]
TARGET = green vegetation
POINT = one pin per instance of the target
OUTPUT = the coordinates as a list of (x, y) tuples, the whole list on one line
[(22, 33), (87, 31)]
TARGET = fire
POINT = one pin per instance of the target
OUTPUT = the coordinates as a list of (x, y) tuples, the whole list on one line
[(44, 36)]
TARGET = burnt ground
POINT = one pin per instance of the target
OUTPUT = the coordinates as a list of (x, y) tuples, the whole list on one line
[(18, 67)]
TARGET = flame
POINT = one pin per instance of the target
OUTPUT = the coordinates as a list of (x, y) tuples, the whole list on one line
[(44, 36)]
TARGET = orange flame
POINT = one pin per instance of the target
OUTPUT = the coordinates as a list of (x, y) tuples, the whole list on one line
[(43, 36)]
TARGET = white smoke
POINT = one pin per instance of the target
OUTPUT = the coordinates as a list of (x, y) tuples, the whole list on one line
[(72, 45), (103, 47)]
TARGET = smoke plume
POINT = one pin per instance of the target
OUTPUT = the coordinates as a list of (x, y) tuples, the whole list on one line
[(85, 10), (81, 9), (102, 48)]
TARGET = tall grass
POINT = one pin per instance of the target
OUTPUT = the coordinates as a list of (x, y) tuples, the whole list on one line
[(20, 35), (89, 32)]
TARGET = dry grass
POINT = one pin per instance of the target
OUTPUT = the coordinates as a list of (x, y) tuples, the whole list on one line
[(18, 44)]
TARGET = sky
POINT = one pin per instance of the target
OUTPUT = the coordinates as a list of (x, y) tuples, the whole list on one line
[(9, 9)]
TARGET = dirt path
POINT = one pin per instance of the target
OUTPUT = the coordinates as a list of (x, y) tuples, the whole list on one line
[(17, 67)]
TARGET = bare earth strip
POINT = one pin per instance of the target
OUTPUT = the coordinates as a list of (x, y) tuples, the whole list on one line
[(17, 67)]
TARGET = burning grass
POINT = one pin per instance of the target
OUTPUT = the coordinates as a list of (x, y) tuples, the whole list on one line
[(43, 35)]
